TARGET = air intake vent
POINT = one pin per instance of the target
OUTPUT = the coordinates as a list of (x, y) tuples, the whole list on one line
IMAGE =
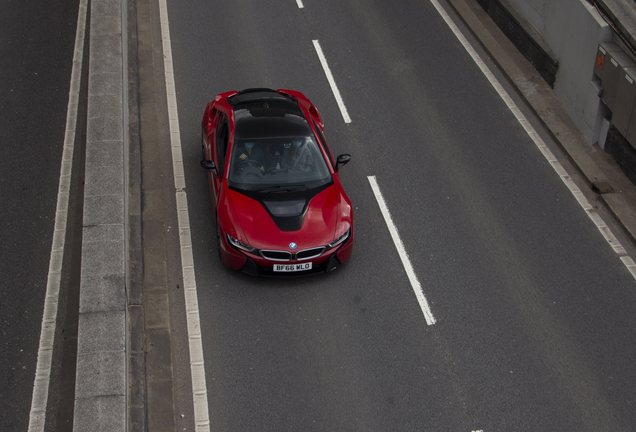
[(276, 255), (309, 253)]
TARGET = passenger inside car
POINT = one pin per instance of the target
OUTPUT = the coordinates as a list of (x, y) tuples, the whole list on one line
[(298, 156)]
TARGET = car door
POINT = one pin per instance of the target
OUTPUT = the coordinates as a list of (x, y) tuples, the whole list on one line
[(219, 152)]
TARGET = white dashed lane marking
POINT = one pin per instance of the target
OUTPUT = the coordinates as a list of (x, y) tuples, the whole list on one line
[(332, 82), (406, 262)]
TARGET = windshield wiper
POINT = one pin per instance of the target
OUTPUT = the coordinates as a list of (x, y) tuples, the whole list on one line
[(281, 188)]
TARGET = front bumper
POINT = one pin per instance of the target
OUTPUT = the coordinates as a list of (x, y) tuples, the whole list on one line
[(253, 269), (257, 266)]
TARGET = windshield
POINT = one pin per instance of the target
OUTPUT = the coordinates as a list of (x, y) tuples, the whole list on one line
[(272, 165)]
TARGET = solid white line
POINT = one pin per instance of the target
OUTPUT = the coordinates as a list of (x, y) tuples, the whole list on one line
[(532, 133), (197, 369), (406, 262), (39, 399), (300, 4), (332, 82)]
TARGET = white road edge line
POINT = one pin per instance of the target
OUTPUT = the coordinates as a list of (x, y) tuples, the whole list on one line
[(39, 399), (406, 262), (332, 82), (556, 165), (197, 369), (300, 4)]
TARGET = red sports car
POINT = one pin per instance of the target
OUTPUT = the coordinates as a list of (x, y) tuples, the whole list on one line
[(280, 207)]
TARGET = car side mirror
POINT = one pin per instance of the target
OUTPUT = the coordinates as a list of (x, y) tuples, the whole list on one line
[(209, 166), (342, 160)]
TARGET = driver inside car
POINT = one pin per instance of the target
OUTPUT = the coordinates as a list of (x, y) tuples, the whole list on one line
[(250, 151)]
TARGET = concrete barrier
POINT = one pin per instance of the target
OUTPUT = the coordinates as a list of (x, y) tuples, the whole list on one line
[(572, 29), (524, 37)]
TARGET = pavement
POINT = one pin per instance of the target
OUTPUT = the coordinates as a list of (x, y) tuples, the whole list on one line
[(604, 177), (110, 368), (101, 384)]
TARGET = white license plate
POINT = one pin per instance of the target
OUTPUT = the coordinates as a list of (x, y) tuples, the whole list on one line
[(292, 267)]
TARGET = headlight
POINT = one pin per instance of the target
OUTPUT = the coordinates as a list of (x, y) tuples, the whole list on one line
[(340, 239), (240, 245)]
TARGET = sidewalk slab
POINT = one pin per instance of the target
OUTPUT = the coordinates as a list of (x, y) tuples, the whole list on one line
[(100, 384)]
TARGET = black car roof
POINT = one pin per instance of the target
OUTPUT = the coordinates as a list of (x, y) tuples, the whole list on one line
[(266, 113)]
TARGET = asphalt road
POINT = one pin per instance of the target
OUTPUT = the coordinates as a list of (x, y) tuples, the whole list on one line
[(36, 46), (534, 310)]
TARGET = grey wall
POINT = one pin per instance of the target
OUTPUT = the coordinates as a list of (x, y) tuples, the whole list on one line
[(572, 29)]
